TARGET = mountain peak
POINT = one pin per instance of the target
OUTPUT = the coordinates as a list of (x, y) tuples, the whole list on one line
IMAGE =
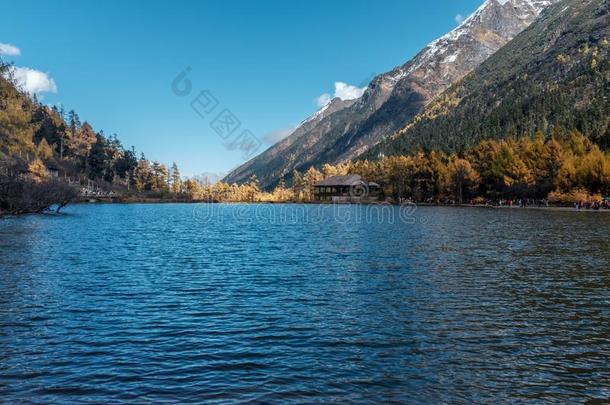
[(503, 19), (392, 99), (543, 80)]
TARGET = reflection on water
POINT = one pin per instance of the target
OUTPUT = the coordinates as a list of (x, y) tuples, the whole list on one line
[(157, 303)]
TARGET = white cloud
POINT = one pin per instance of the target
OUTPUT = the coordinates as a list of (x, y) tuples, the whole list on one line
[(459, 18), (279, 134), (343, 91), (348, 92), (9, 50), (323, 99), (33, 81)]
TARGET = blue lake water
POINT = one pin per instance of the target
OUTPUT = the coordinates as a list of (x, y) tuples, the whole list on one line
[(277, 303)]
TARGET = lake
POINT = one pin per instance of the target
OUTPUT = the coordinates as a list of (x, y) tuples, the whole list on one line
[(304, 303)]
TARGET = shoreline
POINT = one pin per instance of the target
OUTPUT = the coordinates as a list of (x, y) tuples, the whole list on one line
[(548, 209), (147, 201), (563, 208)]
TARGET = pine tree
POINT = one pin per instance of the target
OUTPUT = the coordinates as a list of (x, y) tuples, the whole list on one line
[(297, 185), (142, 176), (176, 182)]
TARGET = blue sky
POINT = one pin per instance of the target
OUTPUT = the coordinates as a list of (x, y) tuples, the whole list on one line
[(267, 62)]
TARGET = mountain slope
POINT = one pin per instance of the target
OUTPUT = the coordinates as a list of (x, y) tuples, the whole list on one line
[(279, 155), (556, 73), (394, 98)]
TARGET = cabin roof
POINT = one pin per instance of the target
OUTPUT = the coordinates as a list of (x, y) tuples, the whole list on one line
[(335, 181)]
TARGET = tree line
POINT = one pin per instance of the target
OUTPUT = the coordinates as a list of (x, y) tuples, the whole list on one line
[(40, 145), (564, 168)]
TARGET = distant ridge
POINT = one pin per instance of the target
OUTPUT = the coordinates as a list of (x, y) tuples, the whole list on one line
[(345, 129)]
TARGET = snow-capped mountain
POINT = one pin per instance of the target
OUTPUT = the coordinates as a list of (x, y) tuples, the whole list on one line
[(345, 129), (502, 98)]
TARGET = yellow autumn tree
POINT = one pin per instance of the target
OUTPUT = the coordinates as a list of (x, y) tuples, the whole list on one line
[(461, 178), (37, 170), (44, 150), (311, 177)]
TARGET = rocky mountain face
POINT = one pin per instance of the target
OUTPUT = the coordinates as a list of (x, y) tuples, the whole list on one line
[(554, 76), (278, 160), (346, 129)]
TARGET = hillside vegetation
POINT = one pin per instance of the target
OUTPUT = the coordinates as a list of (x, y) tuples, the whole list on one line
[(554, 74), (48, 157)]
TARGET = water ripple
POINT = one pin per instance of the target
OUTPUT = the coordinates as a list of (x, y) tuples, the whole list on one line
[(148, 303)]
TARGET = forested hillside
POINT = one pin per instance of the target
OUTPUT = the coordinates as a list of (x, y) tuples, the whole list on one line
[(48, 156), (554, 74)]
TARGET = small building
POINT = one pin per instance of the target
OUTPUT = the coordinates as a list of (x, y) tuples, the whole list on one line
[(52, 170), (346, 189)]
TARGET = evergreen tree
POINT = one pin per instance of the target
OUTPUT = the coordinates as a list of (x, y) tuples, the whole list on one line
[(126, 163), (142, 176), (176, 181), (297, 185), (98, 159)]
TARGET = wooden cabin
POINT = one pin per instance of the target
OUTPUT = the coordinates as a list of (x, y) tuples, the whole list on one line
[(346, 189), (53, 172)]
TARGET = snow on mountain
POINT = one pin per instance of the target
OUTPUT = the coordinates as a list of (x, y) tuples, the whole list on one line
[(345, 129)]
